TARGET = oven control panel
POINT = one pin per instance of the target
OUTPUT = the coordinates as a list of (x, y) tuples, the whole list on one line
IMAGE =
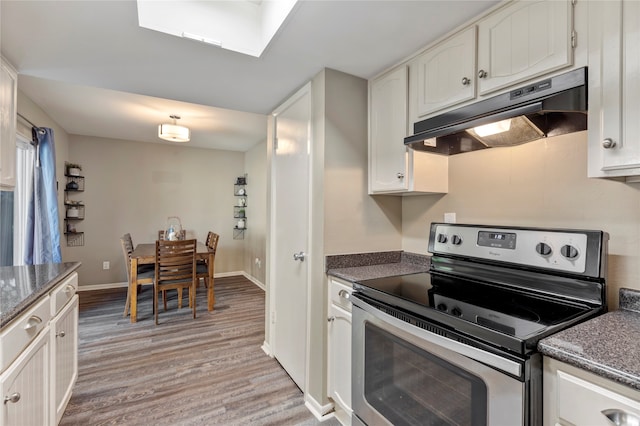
[(559, 250)]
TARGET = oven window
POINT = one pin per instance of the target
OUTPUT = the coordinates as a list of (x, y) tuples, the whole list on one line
[(410, 386)]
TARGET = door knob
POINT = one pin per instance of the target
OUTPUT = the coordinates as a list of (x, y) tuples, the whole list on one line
[(608, 143), (299, 256)]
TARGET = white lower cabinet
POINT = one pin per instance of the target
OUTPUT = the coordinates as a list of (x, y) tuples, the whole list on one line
[(339, 359), (64, 357), (24, 386), (39, 359), (573, 396)]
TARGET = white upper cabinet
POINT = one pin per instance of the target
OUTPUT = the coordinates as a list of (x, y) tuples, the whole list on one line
[(388, 127), (444, 75), (523, 40), (614, 89), (393, 168), (8, 94)]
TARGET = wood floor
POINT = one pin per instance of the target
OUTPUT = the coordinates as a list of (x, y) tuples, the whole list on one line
[(207, 371)]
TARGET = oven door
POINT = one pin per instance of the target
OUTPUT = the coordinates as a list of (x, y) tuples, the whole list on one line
[(405, 375)]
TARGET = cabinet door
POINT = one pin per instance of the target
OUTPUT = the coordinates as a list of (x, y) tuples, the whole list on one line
[(26, 381), (388, 161), (8, 93), (446, 73), (339, 336), (614, 64), (64, 362), (523, 40)]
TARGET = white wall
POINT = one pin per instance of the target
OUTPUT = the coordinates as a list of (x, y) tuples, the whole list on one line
[(544, 184), (134, 187)]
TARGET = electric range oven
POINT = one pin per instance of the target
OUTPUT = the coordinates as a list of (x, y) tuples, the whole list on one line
[(457, 345)]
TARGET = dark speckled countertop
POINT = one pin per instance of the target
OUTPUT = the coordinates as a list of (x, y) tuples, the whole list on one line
[(364, 266), (608, 345), (21, 286)]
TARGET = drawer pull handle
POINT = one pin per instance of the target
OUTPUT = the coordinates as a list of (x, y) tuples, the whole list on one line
[(33, 322), (331, 319), (61, 334), (69, 289), (15, 397), (621, 418), (344, 294)]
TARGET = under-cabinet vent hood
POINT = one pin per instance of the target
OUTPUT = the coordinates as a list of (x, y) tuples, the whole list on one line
[(550, 107)]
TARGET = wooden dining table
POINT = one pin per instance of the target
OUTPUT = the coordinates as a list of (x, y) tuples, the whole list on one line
[(145, 254)]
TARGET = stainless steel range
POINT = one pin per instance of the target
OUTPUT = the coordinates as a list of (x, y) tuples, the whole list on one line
[(457, 345)]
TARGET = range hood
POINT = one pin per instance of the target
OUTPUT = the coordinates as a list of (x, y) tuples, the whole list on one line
[(550, 107)]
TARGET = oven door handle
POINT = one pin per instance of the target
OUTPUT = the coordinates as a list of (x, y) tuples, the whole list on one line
[(471, 352)]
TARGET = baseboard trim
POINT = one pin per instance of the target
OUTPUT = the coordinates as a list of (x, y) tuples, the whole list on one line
[(124, 284), (107, 286), (266, 349), (320, 412)]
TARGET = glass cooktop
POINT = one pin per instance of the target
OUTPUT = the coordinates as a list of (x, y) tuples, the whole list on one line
[(500, 309)]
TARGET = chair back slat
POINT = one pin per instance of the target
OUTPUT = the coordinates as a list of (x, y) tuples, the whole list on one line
[(175, 260)]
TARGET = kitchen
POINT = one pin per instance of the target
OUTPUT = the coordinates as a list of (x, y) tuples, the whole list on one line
[(542, 183)]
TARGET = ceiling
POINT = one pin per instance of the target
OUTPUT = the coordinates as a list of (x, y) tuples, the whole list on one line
[(97, 73)]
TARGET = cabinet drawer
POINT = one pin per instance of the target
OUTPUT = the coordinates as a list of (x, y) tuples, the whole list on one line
[(63, 292), (581, 402), (22, 331), (340, 294)]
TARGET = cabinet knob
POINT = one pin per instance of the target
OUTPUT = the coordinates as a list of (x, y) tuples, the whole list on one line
[(331, 319), (482, 74), (61, 334), (400, 175), (621, 417), (299, 256), (15, 397), (33, 322), (344, 294), (608, 143), (466, 81)]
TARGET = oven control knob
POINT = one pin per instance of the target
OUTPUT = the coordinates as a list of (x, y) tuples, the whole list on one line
[(441, 307), (456, 311), (442, 238), (543, 249), (570, 252), (456, 240)]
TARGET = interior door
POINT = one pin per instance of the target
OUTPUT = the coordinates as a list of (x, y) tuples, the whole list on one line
[(290, 209)]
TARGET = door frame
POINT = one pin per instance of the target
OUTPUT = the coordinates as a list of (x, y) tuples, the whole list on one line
[(271, 255)]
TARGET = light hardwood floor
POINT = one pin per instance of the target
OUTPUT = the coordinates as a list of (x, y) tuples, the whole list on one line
[(207, 371)]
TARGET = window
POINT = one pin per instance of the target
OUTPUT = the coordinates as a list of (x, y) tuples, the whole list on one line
[(25, 154)]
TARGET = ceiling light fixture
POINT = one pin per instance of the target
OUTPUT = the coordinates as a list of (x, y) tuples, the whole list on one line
[(174, 132)]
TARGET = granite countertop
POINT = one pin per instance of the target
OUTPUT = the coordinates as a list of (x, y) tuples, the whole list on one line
[(21, 286), (364, 266), (606, 345)]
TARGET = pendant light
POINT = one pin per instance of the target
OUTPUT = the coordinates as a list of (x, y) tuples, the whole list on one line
[(174, 132)]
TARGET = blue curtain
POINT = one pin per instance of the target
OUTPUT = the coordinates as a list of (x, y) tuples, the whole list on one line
[(43, 227)]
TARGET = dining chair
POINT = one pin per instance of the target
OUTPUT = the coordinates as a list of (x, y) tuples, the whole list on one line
[(145, 272), (175, 269), (202, 268)]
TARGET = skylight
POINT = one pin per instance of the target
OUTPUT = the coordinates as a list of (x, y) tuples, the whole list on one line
[(245, 26)]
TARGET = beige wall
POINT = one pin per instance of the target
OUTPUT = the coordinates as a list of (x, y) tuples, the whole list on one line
[(255, 163), (27, 108), (134, 187), (545, 184), (344, 218)]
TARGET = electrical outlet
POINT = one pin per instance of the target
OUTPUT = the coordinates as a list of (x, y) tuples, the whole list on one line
[(449, 218), (106, 265), (258, 263)]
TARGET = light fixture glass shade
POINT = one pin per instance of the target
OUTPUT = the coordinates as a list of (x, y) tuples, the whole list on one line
[(174, 133)]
